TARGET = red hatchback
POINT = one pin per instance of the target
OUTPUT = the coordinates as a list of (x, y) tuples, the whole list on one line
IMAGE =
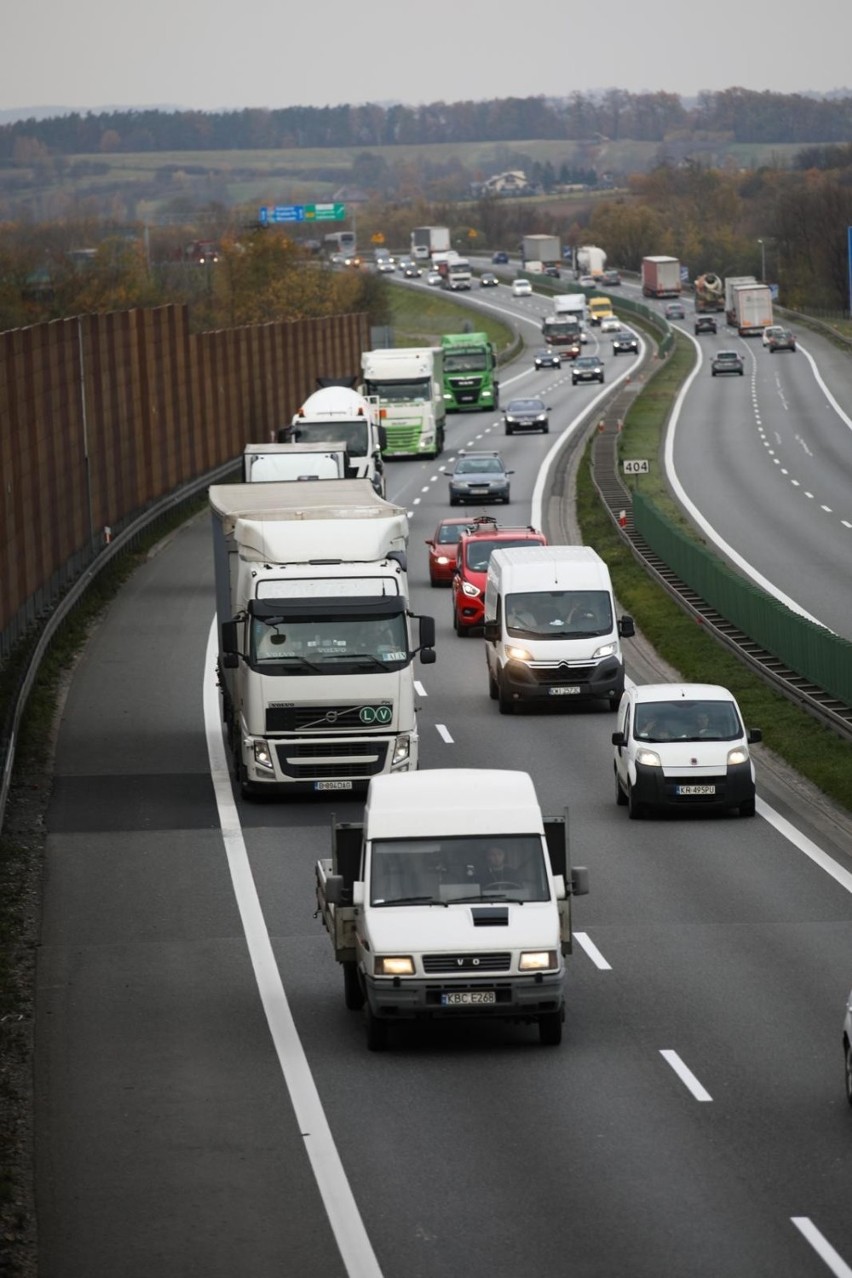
[(471, 567), (442, 549)]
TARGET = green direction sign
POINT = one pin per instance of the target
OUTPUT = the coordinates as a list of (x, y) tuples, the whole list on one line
[(325, 212)]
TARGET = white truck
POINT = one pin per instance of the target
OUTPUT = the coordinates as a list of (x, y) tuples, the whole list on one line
[(661, 276), (752, 309), (732, 282), (426, 241), (268, 463), (452, 900), (406, 384), (457, 276), (539, 251), (589, 260), (336, 413), (315, 634)]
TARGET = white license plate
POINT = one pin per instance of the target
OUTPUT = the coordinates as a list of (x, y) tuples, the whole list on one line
[(695, 789), (563, 692), (332, 785), (469, 998), (483, 489)]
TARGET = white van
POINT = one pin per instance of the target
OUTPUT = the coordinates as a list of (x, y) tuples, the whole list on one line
[(550, 627)]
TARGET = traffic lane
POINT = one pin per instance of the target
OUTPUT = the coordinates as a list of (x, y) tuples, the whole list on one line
[(758, 485)]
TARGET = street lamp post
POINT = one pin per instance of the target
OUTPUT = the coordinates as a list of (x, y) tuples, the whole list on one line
[(762, 261)]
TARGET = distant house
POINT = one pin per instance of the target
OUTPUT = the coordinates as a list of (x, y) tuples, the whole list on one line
[(512, 182)]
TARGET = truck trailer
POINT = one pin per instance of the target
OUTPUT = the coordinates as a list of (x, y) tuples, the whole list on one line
[(589, 260), (539, 251), (451, 901), (426, 241), (752, 309), (315, 634), (406, 385), (661, 277), (732, 282)]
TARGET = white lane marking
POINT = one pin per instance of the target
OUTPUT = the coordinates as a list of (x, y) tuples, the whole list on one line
[(805, 845), (685, 1075), (444, 734), (356, 1250), (822, 1247), (583, 940), (419, 689)]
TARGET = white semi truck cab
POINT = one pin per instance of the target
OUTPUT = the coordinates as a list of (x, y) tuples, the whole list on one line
[(451, 900), (406, 383), (316, 637)]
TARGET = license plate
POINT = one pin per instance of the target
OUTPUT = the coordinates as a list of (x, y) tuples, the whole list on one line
[(563, 692), (469, 998), (695, 789), (332, 785), (481, 489)]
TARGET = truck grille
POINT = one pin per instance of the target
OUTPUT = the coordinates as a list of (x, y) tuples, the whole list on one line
[(402, 439), (469, 964), (352, 760), (375, 715)]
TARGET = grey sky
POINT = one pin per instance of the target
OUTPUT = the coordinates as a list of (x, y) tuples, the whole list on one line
[(274, 53)]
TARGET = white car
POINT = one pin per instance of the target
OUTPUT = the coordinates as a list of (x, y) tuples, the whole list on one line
[(433, 277), (521, 288), (770, 330), (610, 324), (847, 1047), (682, 745), (587, 281)]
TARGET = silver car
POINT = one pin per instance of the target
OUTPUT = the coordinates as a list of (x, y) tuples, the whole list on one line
[(479, 477)]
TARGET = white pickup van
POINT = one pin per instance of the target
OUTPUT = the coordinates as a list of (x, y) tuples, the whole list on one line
[(550, 627), (452, 900)]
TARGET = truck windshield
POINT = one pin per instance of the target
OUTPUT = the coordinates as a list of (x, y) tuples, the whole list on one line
[(442, 871), (354, 434), (418, 389), (465, 361), (559, 614), (285, 645)]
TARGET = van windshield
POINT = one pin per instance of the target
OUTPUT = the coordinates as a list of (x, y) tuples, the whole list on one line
[(559, 614), (441, 871), (687, 721)]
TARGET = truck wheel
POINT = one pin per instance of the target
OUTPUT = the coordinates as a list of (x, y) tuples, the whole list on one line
[(550, 1029), (352, 991), (377, 1030)]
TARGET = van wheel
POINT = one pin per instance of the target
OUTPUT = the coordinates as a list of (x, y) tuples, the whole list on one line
[(620, 796), (507, 705), (748, 808), (377, 1030), (460, 630), (849, 1072), (635, 809), (353, 994), (550, 1029), (493, 690)]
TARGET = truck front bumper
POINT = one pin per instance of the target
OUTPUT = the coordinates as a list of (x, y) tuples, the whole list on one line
[(307, 765), (516, 998)]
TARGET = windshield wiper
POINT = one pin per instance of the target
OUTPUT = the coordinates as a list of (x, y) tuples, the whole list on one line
[(410, 900), (287, 657), (359, 656)]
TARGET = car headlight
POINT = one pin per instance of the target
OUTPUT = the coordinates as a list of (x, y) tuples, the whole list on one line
[(511, 421), (518, 654), (739, 754), (537, 961), (442, 559), (394, 965), (541, 418), (648, 758), (605, 650), (468, 588)]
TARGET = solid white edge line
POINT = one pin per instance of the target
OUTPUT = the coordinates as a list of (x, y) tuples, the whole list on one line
[(685, 1075), (822, 1247), (347, 1226), (585, 942), (801, 841)]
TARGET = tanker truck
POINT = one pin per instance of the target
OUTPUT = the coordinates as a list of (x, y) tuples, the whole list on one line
[(338, 414), (709, 293), (589, 260)]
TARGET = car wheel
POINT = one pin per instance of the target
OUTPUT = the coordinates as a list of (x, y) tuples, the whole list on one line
[(509, 430), (740, 371), (454, 501), (712, 372), (550, 1029), (748, 808), (352, 992), (635, 809), (545, 430), (377, 1030), (506, 704), (620, 796), (507, 498), (849, 1072)]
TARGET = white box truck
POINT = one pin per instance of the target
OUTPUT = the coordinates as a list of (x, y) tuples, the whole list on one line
[(276, 463), (752, 309), (336, 413), (406, 385), (315, 634), (426, 241), (732, 282), (550, 627), (661, 277), (452, 900)]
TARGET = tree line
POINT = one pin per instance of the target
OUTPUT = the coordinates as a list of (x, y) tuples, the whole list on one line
[(735, 114)]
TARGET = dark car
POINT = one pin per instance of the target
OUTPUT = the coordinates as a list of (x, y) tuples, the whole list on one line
[(548, 359), (526, 414), (552, 271), (588, 368), (479, 477), (780, 339), (674, 310), (411, 271), (706, 324), (442, 549), (611, 279), (500, 258), (625, 342), (488, 280), (727, 362)]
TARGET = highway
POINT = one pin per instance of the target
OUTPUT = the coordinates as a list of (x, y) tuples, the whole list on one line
[(205, 1104)]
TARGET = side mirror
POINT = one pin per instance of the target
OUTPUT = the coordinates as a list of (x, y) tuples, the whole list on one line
[(491, 630), (230, 643), (334, 889), (618, 739), (427, 632), (579, 881), (383, 438), (430, 541), (626, 627), (754, 735), (427, 656)]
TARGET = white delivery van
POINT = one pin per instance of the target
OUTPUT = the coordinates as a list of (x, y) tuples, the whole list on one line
[(550, 627)]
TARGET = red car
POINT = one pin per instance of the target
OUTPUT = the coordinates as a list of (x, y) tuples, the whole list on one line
[(471, 567), (442, 549)]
